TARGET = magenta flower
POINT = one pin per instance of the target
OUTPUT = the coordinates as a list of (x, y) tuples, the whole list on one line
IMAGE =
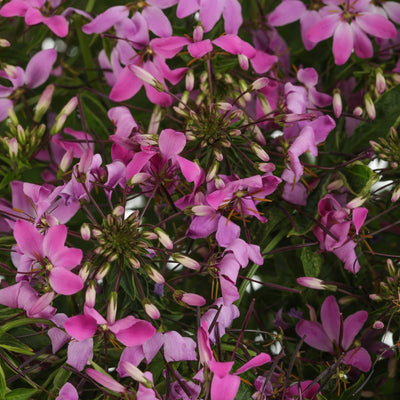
[(67, 392), (336, 336), (349, 22), (49, 254)]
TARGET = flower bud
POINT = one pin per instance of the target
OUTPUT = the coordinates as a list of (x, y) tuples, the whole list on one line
[(337, 103), (186, 261), (118, 211), (202, 211), (198, 33), (151, 310), (84, 271), (396, 194), (212, 171), (12, 116), (189, 80), (154, 274), (69, 107), (146, 77), (103, 271), (135, 373), (66, 160), (58, 125), (265, 106), (380, 82), (112, 308), (356, 202), (243, 62), (4, 43), (90, 295), (378, 325), (258, 84), (259, 152), (369, 106), (85, 231), (43, 103), (138, 178), (193, 299), (13, 148), (312, 283), (357, 112), (21, 134), (86, 161), (105, 380), (164, 239)]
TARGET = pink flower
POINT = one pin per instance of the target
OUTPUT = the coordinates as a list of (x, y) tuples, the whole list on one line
[(349, 22), (336, 336), (67, 392), (49, 253)]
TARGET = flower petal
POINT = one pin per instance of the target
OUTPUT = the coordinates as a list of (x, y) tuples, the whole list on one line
[(315, 335), (342, 43), (286, 13), (64, 281), (358, 358), (376, 25), (81, 327), (39, 67), (330, 318), (259, 359), (351, 326), (323, 29)]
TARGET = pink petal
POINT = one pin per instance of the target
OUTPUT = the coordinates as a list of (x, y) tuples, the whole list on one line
[(307, 21), (256, 361), (58, 338), (15, 8), (359, 215), (262, 61), (315, 335), (9, 295), (178, 348), (199, 49), (351, 326), (5, 104), (54, 240), (232, 15), (362, 45), (187, 7), (308, 76), (157, 22), (169, 46), (323, 29), (79, 353), (126, 86), (136, 334), (29, 240), (347, 254), (393, 10), (342, 43), (105, 380), (171, 143), (39, 67), (81, 327), (190, 169), (377, 25), (234, 45), (65, 282), (224, 388), (286, 12), (227, 232), (33, 16), (106, 20), (57, 24), (67, 392), (221, 369), (358, 358), (210, 13), (330, 318)]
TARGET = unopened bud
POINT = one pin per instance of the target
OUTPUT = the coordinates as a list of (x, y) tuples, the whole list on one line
[(378, 325), (189, 80), (259, 152), (118, 211), (186, 261), (11, 71), (146, 77), (337, 103), (396, 194), (103, 271), (154, 274), (265, 106), (164, 239), (390, 267), (12, 116), (190, 299), (218, 154), (369, 106), (357, 112), (223, 106), (4, 43), (258, 84), (312, 283), (66, 160), (219, 182), (58, 125), (356, 202), (44, 103), (112, 308), (335, 185), (135, 373), (85, 231), (151, 310), (202, 211), (90, 295), (138, 178), (13, 148), (375, 297), (375, 146), (69, 107), (86, 161), (243, 62), (212, 171), (380, 82), (84, 271)]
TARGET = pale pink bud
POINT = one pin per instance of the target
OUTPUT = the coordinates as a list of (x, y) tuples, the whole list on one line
[(223, 106), (193, 299), (375, 297), (189, 80), (258, 84), (154, 274), (337, 103), (13, 148), (380, 82), (58, 125), (105, 380), (164, 239), (243, 61), (212, 172), (118, 211), (112, 308), (103, 271), (335, 185), (146, 77), (259, 152), (152, 311), (138, 178), (70, 106), (312, 283), (85, 231), (84, 271), (186, 261), (219, 182), (265, 106), (135, 373), (378, 325), (266, 167), (357, 112), (11, 71), (66, 160), (369, 106), (203, 343), (86, 161), (198, 33), (202, 211), (356, 202), (44, 103), (4, 43), (396, 194), (90, 295)]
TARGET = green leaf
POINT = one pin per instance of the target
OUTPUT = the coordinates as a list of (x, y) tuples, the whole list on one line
[(20, 394), (311, 261), (11, 343), (387, 115), (358, 178), (61, 377), (23, 321), (3, 385), (92, 109)]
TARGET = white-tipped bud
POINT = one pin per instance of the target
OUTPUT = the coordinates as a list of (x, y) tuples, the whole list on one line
[(136, 374), (258, 84), (58, 125), (312, 283), (155, 120), (335, 185), (218, 154), (4, 43), (265, 106), (85, 271), (212, 172), (86, 161), (358, 111), (103, 271), (112, 308), (223, 106), (356, 202), (44, 103), (151, 310), (380, 82), (369, 106), (85, 231), (21, 134), (219, 182), (243, 61), (69, 107), (203, 211), (337, 103), (259, 152), (396, 194), (148, 78), (90, 295), (186, 261), (11, 71), (189, 80), (138, 178), (118, 211), (164, 238), (378, 325), (66, 160), (198, 33), (13, 148), (154, 274), (12, 116)]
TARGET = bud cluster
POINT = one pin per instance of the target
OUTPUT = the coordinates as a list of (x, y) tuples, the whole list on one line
[(388, 149)]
